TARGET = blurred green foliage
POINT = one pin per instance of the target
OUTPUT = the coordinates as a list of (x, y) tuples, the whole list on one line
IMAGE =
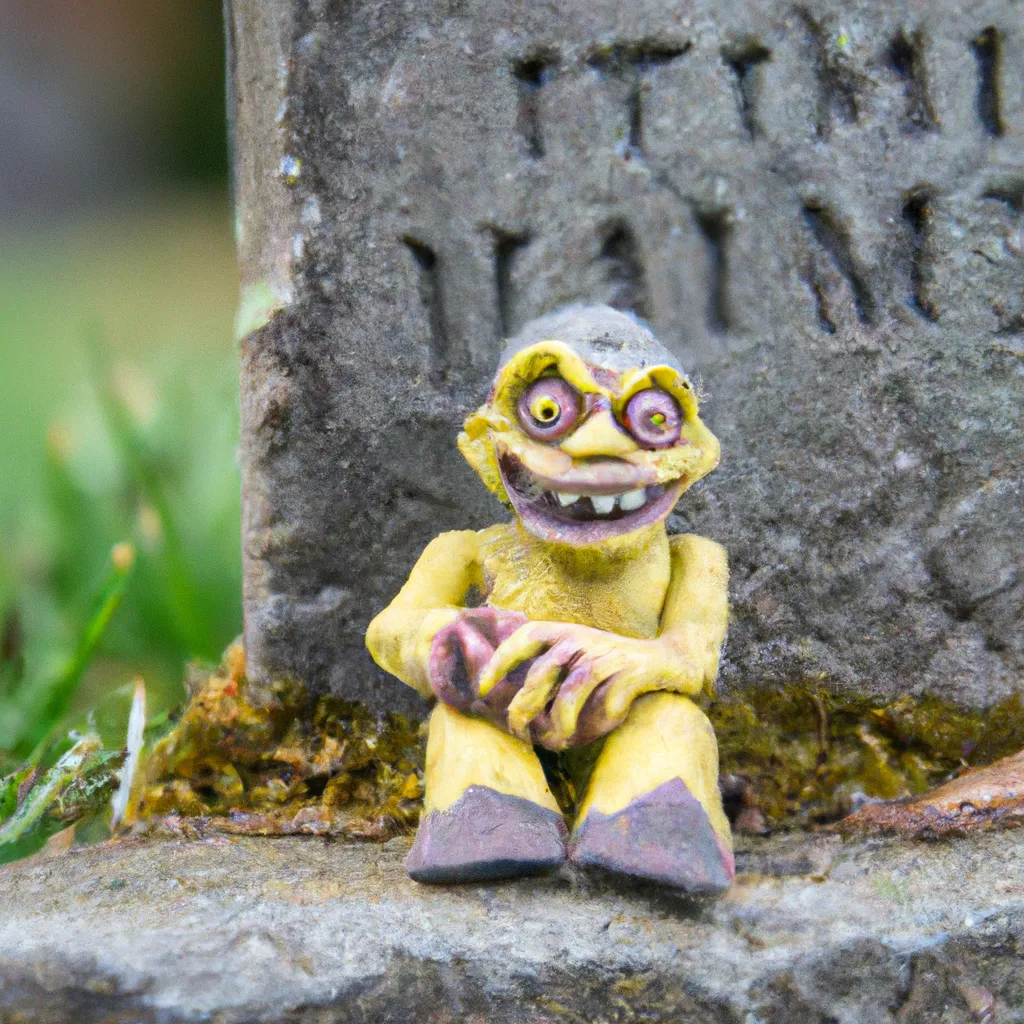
[(119, 493), (31, 707), (136, 570), (119, 498), (37, 802), (151, 462)]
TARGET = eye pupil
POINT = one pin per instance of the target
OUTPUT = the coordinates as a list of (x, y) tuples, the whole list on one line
[(546, 409), (658, 419)]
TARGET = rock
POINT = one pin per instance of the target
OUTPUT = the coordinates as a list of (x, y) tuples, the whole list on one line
[(298, 931), (818, 208)]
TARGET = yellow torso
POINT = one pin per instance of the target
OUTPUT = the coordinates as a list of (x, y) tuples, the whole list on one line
[(621, 592)]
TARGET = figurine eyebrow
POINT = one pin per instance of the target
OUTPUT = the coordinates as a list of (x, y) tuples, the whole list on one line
[(553, 370)]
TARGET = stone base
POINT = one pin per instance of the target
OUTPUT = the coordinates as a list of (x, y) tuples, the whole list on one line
[(304, 930)]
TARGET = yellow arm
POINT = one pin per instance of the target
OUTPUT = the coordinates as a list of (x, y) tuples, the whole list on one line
[(399, 638), (695, 615)]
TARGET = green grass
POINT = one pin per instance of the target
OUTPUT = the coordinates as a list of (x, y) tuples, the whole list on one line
[(119, 497), (33, 707)]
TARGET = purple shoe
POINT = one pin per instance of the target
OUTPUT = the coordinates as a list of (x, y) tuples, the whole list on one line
[(486, 835), (664, 836)]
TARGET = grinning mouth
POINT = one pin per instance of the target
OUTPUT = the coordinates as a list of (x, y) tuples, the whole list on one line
[(601, 510)]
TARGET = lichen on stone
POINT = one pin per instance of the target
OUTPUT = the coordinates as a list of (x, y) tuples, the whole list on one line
[(293, 765)]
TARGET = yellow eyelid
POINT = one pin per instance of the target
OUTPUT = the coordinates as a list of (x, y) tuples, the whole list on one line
[(534, 362), (663, 377), (543, 359)]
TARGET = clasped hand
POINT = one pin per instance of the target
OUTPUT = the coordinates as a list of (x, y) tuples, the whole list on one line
[(557, 684)]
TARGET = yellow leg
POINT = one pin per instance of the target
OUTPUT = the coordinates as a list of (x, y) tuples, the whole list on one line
[(463, 751), (488, 811), (652, 808)]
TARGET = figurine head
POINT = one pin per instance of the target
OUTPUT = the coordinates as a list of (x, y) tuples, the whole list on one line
[(591, 430)]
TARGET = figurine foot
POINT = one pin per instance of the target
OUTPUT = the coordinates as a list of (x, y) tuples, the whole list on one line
[(664, 836), (486, 835)]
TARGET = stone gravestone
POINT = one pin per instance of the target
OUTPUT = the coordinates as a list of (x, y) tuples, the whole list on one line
[(818, 208)]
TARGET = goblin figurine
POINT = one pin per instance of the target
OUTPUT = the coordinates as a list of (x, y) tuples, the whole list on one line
[(581, 622)]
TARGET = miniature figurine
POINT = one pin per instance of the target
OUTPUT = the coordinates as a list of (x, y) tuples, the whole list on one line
[(580, 621)]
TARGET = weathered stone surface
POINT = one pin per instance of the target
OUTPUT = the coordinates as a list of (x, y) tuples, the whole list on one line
[(298, 930), (818, 208)]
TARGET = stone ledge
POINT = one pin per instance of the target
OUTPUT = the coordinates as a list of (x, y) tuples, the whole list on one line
[(299, 930)]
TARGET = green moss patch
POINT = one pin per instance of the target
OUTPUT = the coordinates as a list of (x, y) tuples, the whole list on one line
[(809, 755), (295, 765), (797, 756)]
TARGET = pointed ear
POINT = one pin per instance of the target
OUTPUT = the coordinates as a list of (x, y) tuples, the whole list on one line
[(708, 444), (477, 447)]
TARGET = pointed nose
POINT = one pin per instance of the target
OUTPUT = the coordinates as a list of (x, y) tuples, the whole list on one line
[(599, 435)]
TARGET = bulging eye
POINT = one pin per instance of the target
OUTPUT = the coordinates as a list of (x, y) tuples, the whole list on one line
[(654, 418), (549, 408)]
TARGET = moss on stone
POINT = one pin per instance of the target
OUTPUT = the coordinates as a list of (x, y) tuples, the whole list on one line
[(810, 755), (293, 765), (323, 766)]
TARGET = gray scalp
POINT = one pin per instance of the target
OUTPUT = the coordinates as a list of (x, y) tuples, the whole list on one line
[(603, 336)]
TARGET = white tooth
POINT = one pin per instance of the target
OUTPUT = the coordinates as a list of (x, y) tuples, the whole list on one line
[(566, 499), (603, 504), (632, 500)]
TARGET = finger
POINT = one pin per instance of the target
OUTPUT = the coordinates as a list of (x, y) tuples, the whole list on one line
[(524, 643), (447, 671), (476, 649), (621, 697), (506, 624), (495, 706), (594, 721), (494, 624), (458, 654), (541, 681), (546, 730), (581, 682)]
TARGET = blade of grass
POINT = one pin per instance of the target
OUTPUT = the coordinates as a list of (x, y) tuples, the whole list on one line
[(183, 595), (133, 748), (75, 791), (12, 652), (45, 792), (10, 786), (59, 692)]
